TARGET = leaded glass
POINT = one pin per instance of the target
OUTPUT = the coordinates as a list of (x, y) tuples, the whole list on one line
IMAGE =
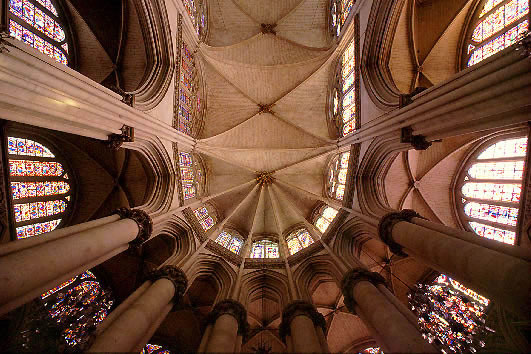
[(326, 217), (235, 245), (207, 223), (340, 192), (322, 224), (38, 189), (201, 212), (372, 350), (508, 170), (505, 149), (224, 238), (497, 16), (258, 250), (294, 246), (329, 213), (492, 191), (265, 249), (450, 315), (30, 21), (36, 210), (339, 11), (298, 240), (337, 175), (28, 168), (37, 228), (494, 213), (272, 250), (154, 349), (27, 147), (494, 233)]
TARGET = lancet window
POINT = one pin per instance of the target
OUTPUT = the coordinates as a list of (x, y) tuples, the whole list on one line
[(325, 217), (298, 240), (345, 89), (188, 104), (339, 11), (38, 24), (489, 189), (450, 315), (231, 242), (265, 249), (192, 175), (205, 220), (40, 187), (497, 26), (337, 175), (197, 10)]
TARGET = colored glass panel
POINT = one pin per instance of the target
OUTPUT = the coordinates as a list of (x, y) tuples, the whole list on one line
[(348, 60), (489, 5), (57, 288), (235, 245), (185, 159), (344, 159), (188, 191), (258, 250), (29, 211), (492, 191), (347, 83), (329, 213), (342, 176), (346, 6), (505, 149), (207, 223), (272, 250), (340, 191), (201, 212), (38, 189), (35, 168), (494, 233), (294, 245), (37, 229), (322, 224), (187, 174), (508, 170), (305, 238), (349, 99), (224, 238), (372, 350), (494, 213)]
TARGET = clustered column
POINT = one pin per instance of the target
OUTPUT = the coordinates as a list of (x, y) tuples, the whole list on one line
[(29, 267), (393, 329), (130, 326), (500, 276), (227, 327), (302, 328)]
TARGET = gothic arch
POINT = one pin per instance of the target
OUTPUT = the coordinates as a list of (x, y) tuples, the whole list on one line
[(182, 235), (215, 267), (277, 285), (313, 271)]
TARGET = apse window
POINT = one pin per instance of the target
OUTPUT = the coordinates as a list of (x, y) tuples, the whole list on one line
[(339, 11), (298, 240), (40, 187), (192, 175), (489, 189), (205, 220), (325, 218), (337, 175), (38, 24), (265, 249), (230, 242), (498, 25)]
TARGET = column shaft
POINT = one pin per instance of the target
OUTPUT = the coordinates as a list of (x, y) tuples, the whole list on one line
[(223, 336), (304, 335)]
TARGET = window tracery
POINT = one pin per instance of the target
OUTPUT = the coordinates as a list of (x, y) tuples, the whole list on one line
[(498, 25), (231, 242), (298, 240), (38, 24), (324, 219), (192, 175), (450, 315), (489, 189), (265, 249), (205, 220), (337, 175), (344, 101), (40, 187), (339, 11)]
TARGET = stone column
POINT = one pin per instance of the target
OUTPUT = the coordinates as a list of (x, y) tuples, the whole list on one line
[(226, 322), (130, 326), (300, 327), (394, 331), (32, 266), (499, 276)]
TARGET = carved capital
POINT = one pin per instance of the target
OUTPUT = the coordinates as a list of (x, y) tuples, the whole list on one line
[(353, 277), (173, 274), (385, 228), (233, 308), (142, 219), (418, 142), (299, 308), (116, 140)]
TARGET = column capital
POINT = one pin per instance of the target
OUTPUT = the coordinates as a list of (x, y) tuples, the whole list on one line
[(233, 308), (385, 228), (299, 308), (173, 274), (142, 219), (353, 277)]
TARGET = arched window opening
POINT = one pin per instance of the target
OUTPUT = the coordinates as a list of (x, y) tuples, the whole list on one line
[(40, 187), (325, 218), (197, 10), (344, 102), (230, 242), (192, 175), (65, 316), (337, 176), (497, 26), (450, 315), (489, 189), (339, 11), (154, 349), (38, 24), (265, 249), (206, 221), (298, 240)]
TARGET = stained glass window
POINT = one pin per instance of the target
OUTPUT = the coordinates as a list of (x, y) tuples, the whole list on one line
[(265, 249), (40, 187), (154, 349), (230, 242), (37, 23), (191, 173), (325, 218), (372, 350), (205, 220), (339, 11), (337, 175), (450, 315), (298, 240), (490, 189), (499, 25)]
